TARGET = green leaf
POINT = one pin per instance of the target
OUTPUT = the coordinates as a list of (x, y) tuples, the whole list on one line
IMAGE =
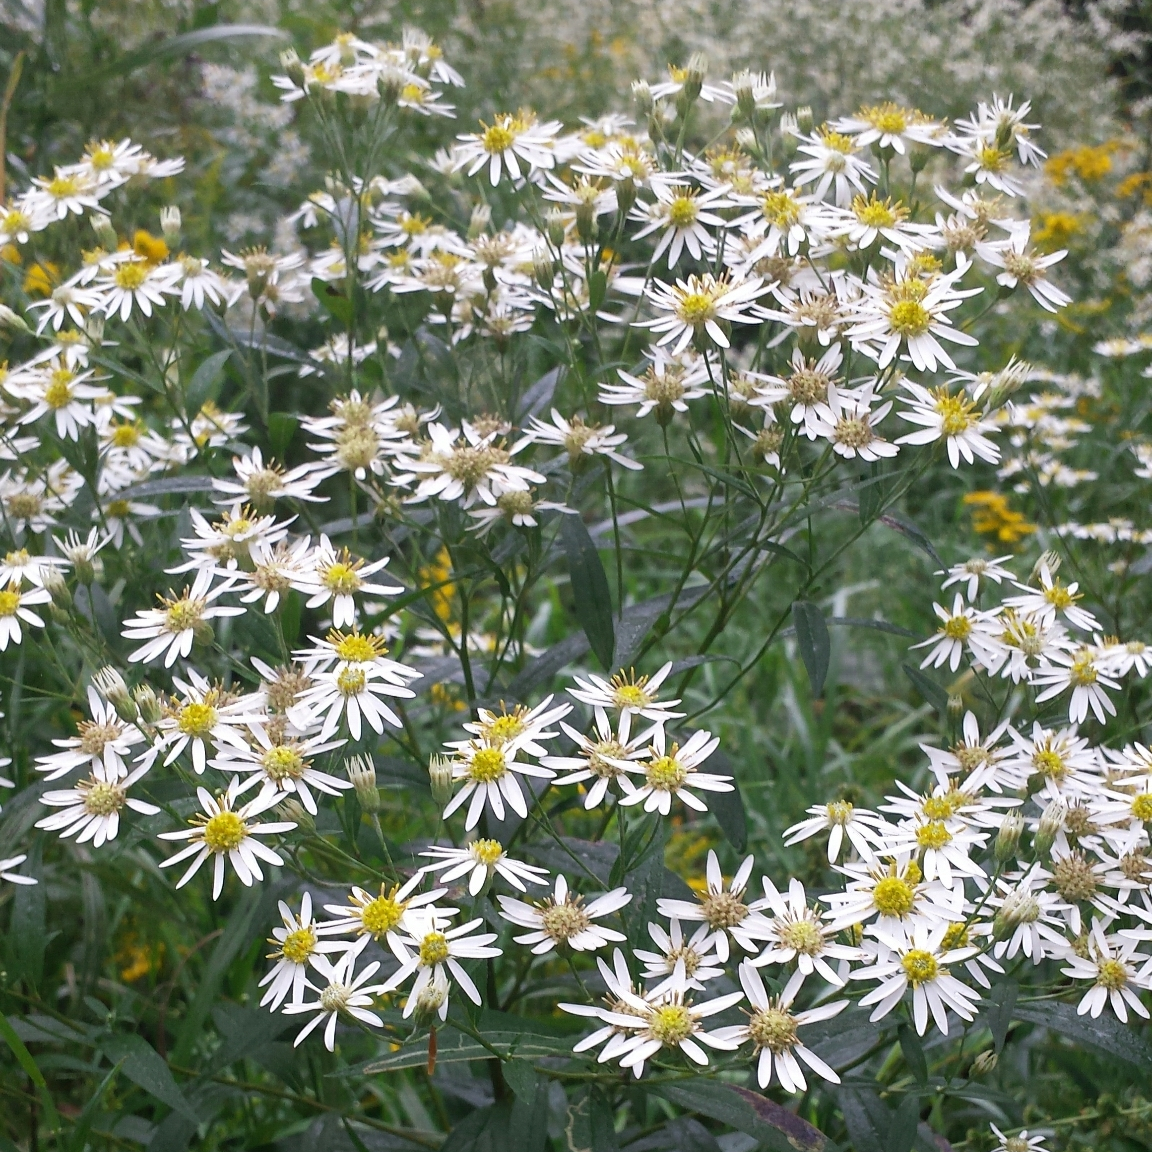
[(145, 1067), (687, 1135), (998, 1008), (812, 636), (913, 1052), (204, 380), (728, 807), (867, 1118), (1105, 1035), (485, 1130), (539, 396), (597, 289), (589, 588), (168, 486), (281, 428), (932, 692), (26, 932), (872, 494), (529, 1119), (24, 1059), (902, 1130), (79, 1135), (906, 528), (589, 1126), (333, 301), (454, 1046), (775, 1127)]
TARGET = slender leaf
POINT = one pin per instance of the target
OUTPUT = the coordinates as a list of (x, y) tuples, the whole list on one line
[(145, 1067), (453, 1047), (281, 428), (203, 381), (589, 588), (333, 301), (24, 1059), (932, 692), (1105, 1035), (867, 1118), (539, 396), (913, 1052), (998, 1009), (728, 807), (812, 636)]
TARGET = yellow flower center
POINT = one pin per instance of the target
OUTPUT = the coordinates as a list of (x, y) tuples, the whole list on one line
[(920, 966), (1082, 672), (957, 628), (1059, 596), (131, 275), (183, 614), (934, 834), (382, 914), (563, 921), (803, 936), (58, 394), (1111, 974), (487, 765), (772, 1028), (351, 681), (298, 945), (682, 211), (61, 187), (433, 949), (356, 648), (839, 812), (626, 695), (695, 308), (196, 719), (498, 138), (125, 435), (670, 1024), (909, 318), (341, 578), (102, 799), (93, 736), (888, 118), (666, 773), (1142, 806), (723, 909), (956, 414), (283, 762), (893, 896), (504, 728), (936, 808), (781, 209), (9, 602), (1050, 764), (956, 936), (486, 852), (224, 832)]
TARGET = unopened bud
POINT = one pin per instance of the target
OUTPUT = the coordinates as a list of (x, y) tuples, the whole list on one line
[(1018, 908), (440, 779), (743, 86), (918, 157), (389, 84), (544, 270), (984, 1063), (693, 83), (478, 222), (105, 233), (170, 226), (57, 587), (746, 138), (955, 705), (292, 65), (292, 810), (789, 130), (642, 95), (362, 772), (147, 704), (1049, 560), (586, 227), (110, 684), (625, 195), (94, 330), (13, 320), (1008, 837), (203, 633), (805, 119), (1051, 821), (554, 227), (431, 1000)]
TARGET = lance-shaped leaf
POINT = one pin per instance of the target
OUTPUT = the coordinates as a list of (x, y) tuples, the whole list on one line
[(589, 588)]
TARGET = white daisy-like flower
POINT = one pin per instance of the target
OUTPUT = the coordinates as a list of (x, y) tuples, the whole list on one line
[(669, 1022), (6, 872), (564, 920), (975, 571), (20, 565), (804, 390), (1020, 1142), (1085, 672), (91, 809), (773, 1029), (666, 387), (131, 283), (796, 933), (63, 193), (597, 757), (385, 914), (1051, 598), (524, 726), (952, 636), (617, 981), (480, 861), (200, 284), (975, 758), (723, 908), (682, 215), (355, 692), (944, 845), (58, 392), (339, 577), (1118, 973), (345, 992), (171, 629), (848, 422), (283, 765), (105, 742), (701, 306), (489, 774), (509, 142), (693, 961), (920, 962), (674, 771), (225, 832), (911, 313), (15, 606), (891, 126), (950, 417), (582, 440), (276, 568), (296, 946), (1027, 918), (894, 892), (432, 953), (844, 823), (206, 715), (832, 162), (1027, 268), (262, 483)]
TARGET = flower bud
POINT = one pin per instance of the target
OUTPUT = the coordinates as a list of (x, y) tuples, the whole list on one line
[(105, 233), (586, 227), (110, 684), (362, 772), (94, 330), (746, 138), (440, 779), (1008, 838), (625, 195), (743, 87), (805, 119), (389, 84), (293, 66), (789, 130), (693, 83), (642, 95), (984, 1063), (543, 269), (1051, 821), (554, 227), (478, 222), (429, 1003), (918, 157), (1018, 908), (170, 225), (57, 587), (1049, 560), (291, 809), (203, 633), (955, 705), (147, 704), (13, 320)]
